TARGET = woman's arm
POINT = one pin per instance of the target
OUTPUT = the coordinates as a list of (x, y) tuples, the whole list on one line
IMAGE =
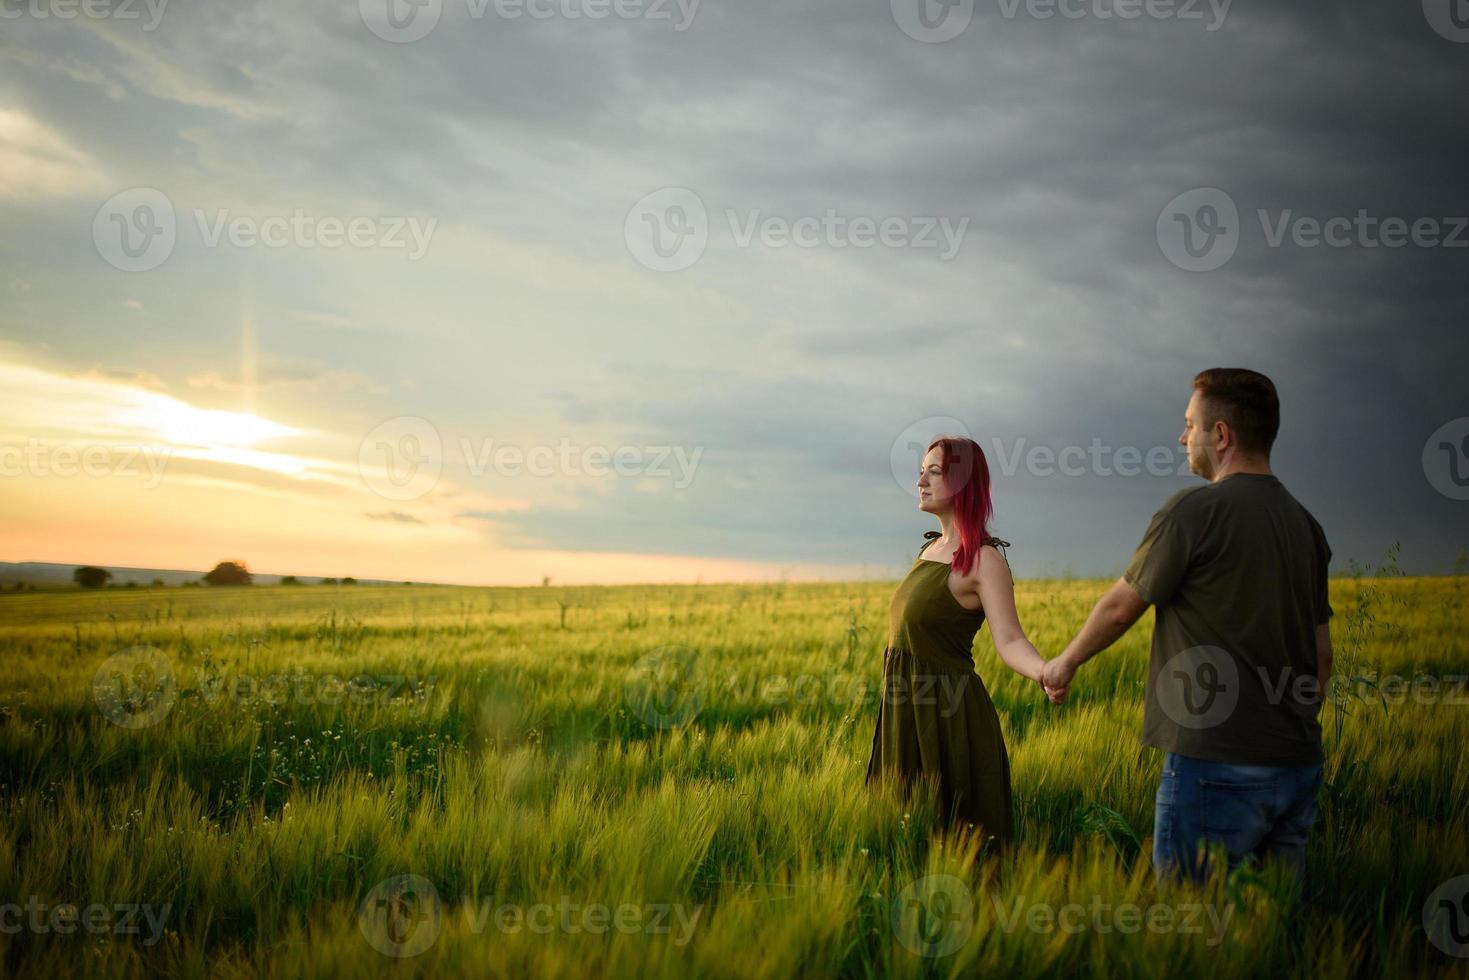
[(997, 598)]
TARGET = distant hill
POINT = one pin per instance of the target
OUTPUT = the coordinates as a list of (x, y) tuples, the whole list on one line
[(45, 574)]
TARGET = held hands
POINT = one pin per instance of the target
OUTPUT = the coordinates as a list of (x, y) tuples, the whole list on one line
[(1056, 677)]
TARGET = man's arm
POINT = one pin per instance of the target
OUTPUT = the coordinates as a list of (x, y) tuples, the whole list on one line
[(1112, 616)]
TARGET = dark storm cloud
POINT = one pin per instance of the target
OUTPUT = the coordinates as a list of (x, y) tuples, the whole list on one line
[(1061, 322)]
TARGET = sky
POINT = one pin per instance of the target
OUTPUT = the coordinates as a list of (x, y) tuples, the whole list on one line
[(485, 291)]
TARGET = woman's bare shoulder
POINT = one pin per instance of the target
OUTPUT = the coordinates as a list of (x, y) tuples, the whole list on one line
[(993, 564)]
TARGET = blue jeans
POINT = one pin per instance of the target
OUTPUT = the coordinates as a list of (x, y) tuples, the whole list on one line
[(1256, 812)]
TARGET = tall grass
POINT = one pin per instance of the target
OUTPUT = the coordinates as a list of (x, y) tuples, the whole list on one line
[(695, 753)]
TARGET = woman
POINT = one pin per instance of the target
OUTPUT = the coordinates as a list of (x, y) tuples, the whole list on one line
[(936, 718)]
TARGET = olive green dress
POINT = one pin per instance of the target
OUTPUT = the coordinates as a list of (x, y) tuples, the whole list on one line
[(935, 717)]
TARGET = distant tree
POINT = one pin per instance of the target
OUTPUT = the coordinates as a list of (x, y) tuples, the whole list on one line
[(349, 580), (290, 580), (193, 583), (328, 581), (229, 573), (158, 583), (19, 586), (130, 585), (545, 580), (407, 583), (91, 577)]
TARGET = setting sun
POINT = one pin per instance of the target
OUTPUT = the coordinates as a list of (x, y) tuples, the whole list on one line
[(177, 422)]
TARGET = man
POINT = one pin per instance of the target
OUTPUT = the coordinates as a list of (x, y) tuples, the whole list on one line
[(1236, 570)]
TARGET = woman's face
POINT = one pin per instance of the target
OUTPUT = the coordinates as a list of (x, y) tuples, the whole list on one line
[(932, 496)]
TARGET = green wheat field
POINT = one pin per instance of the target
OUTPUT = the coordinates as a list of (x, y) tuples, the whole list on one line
[(664, 781)]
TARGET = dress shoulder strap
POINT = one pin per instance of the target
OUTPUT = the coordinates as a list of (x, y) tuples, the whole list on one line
[(999, 543)]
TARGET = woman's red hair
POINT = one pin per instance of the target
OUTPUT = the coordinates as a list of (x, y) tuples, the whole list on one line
[(966, 477)]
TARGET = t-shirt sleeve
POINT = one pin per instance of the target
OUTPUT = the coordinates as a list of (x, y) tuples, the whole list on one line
[(1161, 560), (1324, 611)]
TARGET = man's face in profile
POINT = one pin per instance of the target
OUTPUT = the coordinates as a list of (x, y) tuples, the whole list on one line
[(1196, 437)]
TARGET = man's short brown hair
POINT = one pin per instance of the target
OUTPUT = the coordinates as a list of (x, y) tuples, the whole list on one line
[(1246, 401)]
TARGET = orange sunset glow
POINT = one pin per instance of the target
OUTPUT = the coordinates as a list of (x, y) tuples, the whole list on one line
[(104, 472)]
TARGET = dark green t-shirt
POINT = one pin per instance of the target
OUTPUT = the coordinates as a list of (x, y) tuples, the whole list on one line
[(1237, 573)]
